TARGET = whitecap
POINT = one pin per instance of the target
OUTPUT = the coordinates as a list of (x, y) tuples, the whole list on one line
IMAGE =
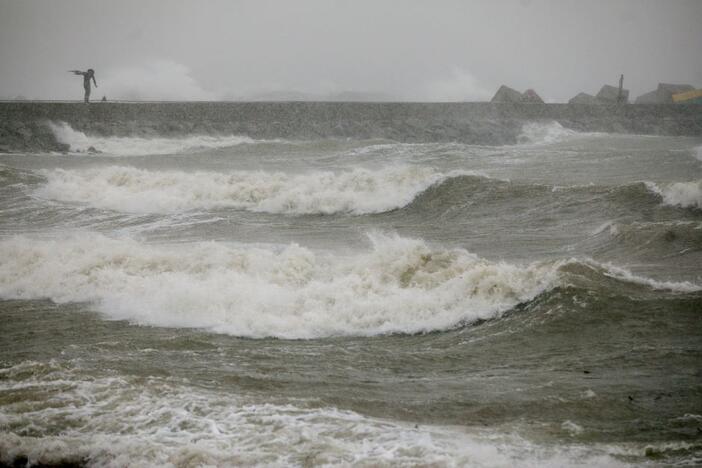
[(548, 132), (357, 191), (682, 194), (140, 146), (399, 285)]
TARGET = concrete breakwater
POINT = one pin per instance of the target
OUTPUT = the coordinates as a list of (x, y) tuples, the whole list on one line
[(23, 124)]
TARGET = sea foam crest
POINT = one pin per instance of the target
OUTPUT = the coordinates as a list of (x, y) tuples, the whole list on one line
[(683, 194), (139, 146), (128, 189), (542, 133), (622, 274), (398, 286)]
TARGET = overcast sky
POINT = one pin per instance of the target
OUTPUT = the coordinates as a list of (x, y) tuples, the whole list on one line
[(404, 49)]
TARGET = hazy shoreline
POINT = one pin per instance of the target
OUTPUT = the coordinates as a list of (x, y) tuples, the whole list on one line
[(23, 124)]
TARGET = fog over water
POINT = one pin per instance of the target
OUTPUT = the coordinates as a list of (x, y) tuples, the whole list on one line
[(361, 50)]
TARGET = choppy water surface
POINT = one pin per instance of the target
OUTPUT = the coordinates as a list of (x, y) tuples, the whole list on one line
[(220, 300)]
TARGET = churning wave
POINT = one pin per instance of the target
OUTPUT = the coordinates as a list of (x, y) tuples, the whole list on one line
[(532, 133), (357, 191), (139, 146), (399, 285), (127, 421), (545, 133), (682, 194)]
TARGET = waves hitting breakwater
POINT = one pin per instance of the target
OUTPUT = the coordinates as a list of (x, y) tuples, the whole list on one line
[(139, 146), (535, 133), (23, 125)]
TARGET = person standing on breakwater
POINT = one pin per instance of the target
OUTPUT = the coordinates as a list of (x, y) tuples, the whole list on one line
[(87, 75)]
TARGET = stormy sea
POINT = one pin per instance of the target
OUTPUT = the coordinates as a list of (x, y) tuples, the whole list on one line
[(213, 299)]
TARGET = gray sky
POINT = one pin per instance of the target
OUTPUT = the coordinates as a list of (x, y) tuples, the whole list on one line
[(411, 50)]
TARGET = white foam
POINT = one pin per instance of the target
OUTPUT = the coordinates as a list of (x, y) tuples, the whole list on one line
[(683, 194), (572, 428), (622, 274), (379, 148), (124, 421), (139, 146), (625, 275), (134, 190), (544, 133), (398, 286)]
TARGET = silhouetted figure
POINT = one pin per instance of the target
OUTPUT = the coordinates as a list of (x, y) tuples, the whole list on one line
[(87, 75)]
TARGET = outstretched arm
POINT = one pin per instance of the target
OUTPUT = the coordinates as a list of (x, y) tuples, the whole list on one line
[(76, 72)]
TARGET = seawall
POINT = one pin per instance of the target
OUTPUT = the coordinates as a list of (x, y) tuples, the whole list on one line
[(23, 124)]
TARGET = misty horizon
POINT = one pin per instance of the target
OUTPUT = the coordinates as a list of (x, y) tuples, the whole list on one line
[(409, 51)]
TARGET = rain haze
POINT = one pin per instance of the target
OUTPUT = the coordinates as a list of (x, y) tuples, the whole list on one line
[(344, 50)]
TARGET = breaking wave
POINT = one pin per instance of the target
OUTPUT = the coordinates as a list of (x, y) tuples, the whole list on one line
[(682, 194), (139, 146), (544, 133), (127, 189), (598, 270), (399, 286)]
